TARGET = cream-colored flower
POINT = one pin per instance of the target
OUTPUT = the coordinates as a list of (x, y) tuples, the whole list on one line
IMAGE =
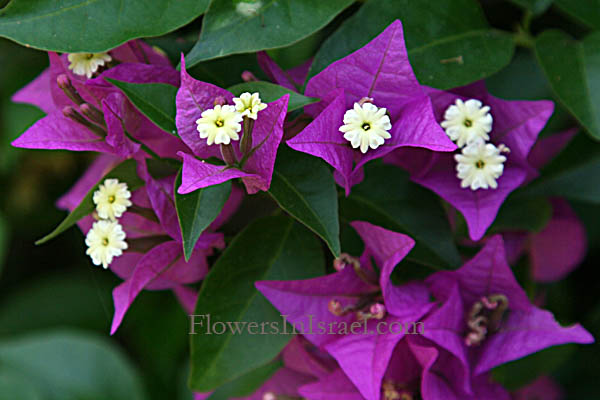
[(467, 121), (87, 63), (480, 165), (220, 125), (105, 241), (111, 199), (366, 126), (248, 105)]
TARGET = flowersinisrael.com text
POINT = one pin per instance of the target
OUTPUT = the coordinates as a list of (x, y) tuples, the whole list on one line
[(202, 324)]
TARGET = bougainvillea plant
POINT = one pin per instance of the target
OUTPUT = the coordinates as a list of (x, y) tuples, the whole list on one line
[(350, 200)]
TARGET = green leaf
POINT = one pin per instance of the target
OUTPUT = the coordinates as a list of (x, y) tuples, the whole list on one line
[(228, 29), (516, 374), (573, 69), (586, 11), (522, 214), (387, 198), (92, 25), (272, 248), (124, 172), (459, 48), (15, 386), (4, 238), (270, 92), (303, 186), (572, 175), (247, 384), (155, 100), (536, 7), (71, 365), (197, 210)]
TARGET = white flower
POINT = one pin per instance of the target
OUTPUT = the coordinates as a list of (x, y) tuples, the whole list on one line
[(87, 63), (479, 165), (248, 105), (366, 126), (105, 241), (467, 121), (220, 125), (111, 199)]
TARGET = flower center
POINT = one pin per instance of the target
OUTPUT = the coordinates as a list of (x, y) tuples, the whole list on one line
[(89, 56), (479, 164), (219, 123), (111, 199), (105, 241), (366, 126), (468, 123), (485, 316)]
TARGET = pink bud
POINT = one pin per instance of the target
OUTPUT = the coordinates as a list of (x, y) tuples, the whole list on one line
[(365, 100), (248, 76), (63, 81), (377, 311), (339, 264), (269, 396)]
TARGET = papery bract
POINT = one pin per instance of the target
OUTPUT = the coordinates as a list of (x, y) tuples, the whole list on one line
[(379, 71)]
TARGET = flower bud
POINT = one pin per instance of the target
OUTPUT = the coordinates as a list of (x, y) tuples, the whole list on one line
[(67, 87), (220, 101), (377, 311), (335, 307), (92, 113), (248, 76)]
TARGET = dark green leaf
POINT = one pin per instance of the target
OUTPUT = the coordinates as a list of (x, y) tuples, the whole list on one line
[(14, 386), (572, 175), (228, 29), (246, 384), (197, 210), (387, 198), (536, 7), (4, 238), (124, 172), (457, 49), (273, 248), (270, 92), (573, 69), (518, 373), (586, 11), (155, 100), (522, 214), (92, 25), (303, 186), (70, 365)]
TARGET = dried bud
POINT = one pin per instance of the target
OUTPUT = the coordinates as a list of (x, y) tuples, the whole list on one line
[(335, 307), (365, 100)]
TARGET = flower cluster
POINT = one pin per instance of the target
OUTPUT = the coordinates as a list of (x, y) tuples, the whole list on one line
[(465, 145), (106, 239)]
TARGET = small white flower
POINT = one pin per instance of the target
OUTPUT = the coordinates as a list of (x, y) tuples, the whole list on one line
[(220, 125), (467, 121), (87, 63), (480, 164), (111, 199), (248, 8), (366, 126), (248, 105), (105, 241)]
